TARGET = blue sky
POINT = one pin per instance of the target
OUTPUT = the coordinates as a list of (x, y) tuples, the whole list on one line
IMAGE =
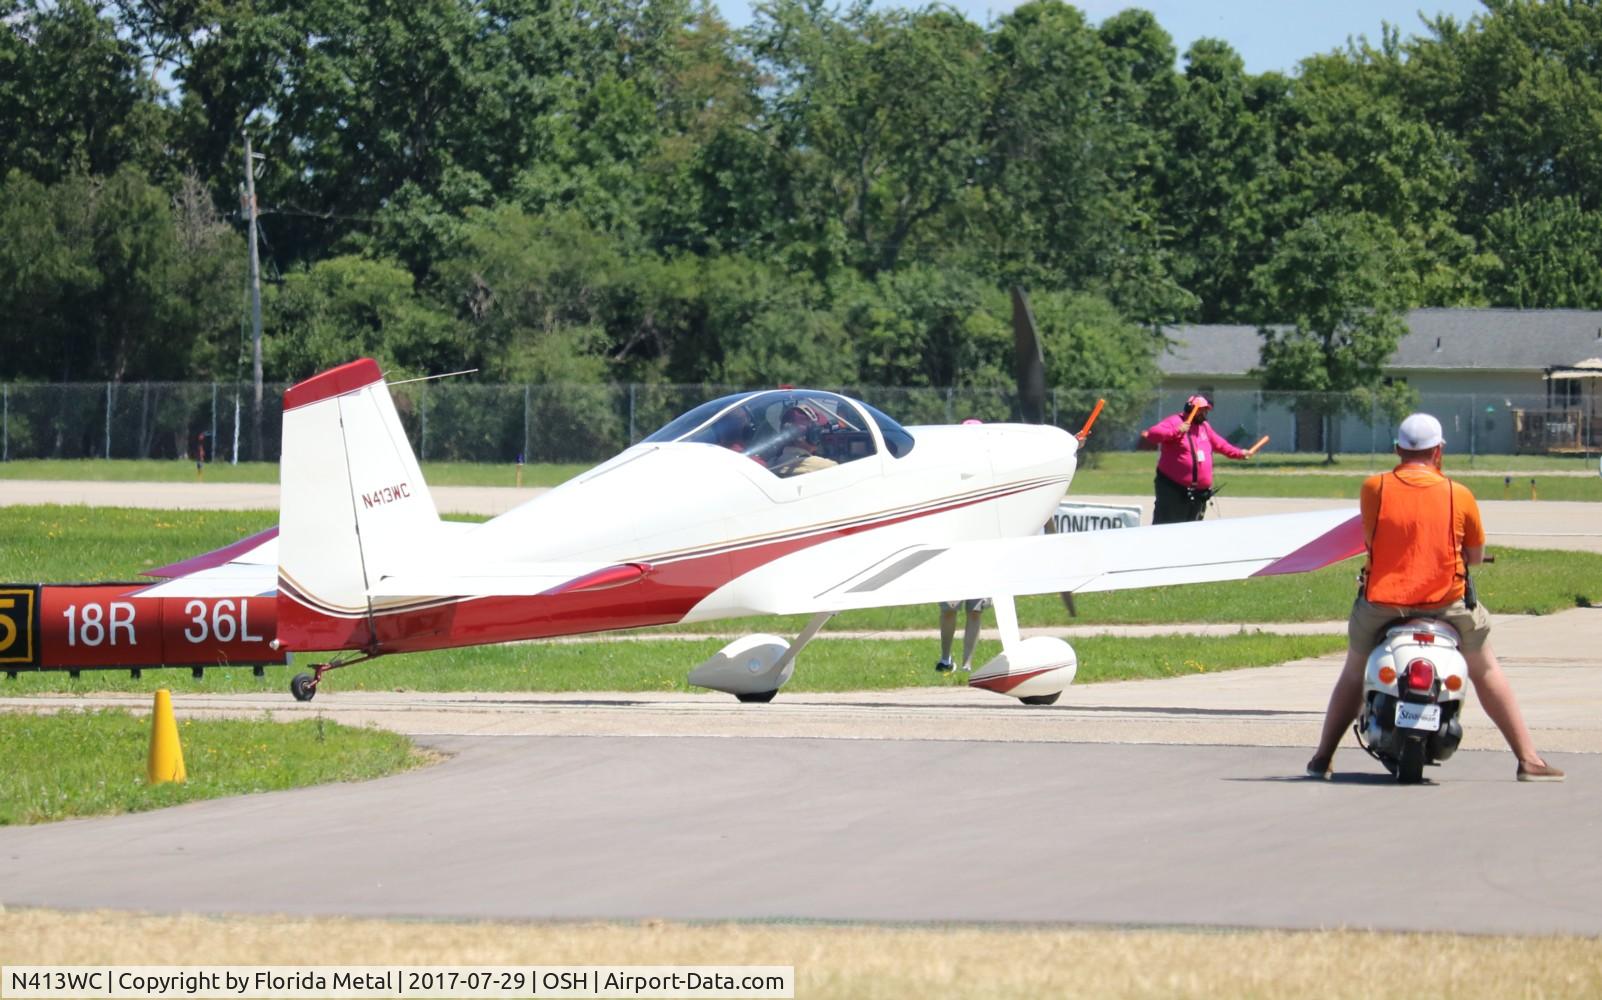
[(1268, 34)]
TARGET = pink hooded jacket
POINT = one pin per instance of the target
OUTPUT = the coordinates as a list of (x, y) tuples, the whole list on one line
[(1188, 460)]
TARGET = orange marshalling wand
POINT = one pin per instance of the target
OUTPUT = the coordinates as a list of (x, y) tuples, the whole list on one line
[(1084, 431), (1260, 442)]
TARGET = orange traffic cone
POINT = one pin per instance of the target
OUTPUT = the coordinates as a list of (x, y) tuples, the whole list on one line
[(166, 756)]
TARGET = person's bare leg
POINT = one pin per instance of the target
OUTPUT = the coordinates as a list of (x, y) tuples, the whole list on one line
[(970, 638), (1496, 697), (948, 631), (1344, 703)]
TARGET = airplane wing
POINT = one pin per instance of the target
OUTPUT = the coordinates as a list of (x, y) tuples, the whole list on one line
[(822, 579), (1156, 556)]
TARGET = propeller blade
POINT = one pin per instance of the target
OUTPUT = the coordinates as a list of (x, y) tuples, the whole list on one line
[(1029, 364)]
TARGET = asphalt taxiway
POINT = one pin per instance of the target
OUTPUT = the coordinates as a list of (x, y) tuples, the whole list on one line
[(1176, 801), (701, 828)]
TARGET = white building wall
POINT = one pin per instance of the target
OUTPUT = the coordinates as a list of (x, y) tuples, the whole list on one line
[(1476, 409)]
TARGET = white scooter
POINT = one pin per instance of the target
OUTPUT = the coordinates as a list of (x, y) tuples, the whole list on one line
[(1413, 698)]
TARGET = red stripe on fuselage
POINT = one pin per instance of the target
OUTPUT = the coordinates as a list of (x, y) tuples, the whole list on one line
[(661, 597)]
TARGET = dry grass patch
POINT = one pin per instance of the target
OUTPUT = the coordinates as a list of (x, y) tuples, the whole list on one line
[(857, 961)]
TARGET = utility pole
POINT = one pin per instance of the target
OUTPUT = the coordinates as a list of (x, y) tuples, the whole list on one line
[(255, 302)]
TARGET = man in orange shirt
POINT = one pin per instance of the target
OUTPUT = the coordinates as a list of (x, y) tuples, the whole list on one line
[(1423, 531)]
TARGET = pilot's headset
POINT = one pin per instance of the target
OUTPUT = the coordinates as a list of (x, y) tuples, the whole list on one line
[(802, 422)]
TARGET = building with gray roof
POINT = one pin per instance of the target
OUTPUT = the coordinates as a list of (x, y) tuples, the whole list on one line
[(1502, 380)]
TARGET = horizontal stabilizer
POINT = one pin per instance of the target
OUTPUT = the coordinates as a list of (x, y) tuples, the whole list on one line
[(247, 568), (258, 548)]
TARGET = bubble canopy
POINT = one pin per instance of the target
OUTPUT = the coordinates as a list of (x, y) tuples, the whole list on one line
[(772, 425)]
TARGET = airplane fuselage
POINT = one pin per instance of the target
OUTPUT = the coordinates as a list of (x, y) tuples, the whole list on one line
[(693, 531)]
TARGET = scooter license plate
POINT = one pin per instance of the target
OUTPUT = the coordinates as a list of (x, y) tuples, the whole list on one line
[(1414, 716)]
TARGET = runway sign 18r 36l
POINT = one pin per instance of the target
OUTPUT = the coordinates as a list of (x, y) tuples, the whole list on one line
[(102, 626)]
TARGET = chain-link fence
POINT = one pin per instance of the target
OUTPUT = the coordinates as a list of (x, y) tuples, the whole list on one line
[(458, 421)]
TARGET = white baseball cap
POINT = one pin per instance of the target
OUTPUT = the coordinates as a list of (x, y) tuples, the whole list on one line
[(1419, 432)]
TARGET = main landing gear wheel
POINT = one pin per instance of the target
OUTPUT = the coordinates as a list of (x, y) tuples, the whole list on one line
[(303, 687), (757, 697), (1042, 699)]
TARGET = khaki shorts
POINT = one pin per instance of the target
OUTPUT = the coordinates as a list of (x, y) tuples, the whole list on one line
[(976, 604), (1367, 622)]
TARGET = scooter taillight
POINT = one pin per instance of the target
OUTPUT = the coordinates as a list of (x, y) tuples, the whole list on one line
[(1421, 675)]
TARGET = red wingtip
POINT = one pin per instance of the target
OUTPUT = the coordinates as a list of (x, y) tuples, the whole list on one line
[(349, 377), (1340, 542)]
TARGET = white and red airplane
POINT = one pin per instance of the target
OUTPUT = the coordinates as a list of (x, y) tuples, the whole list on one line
[(782, 501)]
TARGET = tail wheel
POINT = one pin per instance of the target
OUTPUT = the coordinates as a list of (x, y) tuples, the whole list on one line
[(303, 687), (1410, 769)]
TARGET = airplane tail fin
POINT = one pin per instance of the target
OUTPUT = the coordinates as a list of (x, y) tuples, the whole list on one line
[(352, 498)]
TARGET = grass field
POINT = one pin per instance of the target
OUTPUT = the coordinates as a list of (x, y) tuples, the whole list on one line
[(93, 763), (52, 544), (856, 961), (1119, 473), (72, 544)]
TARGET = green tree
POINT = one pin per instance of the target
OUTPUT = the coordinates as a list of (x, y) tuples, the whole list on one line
[(1220, 176), (1092, 350), (100, 278), (383, 123), (533, 290), (928, 325), (1070, 143), (754, 323), (1352, 145), (1333, 286), (72, 100), (877, 116), (347, 307), (1549, 253), (1518, 88)]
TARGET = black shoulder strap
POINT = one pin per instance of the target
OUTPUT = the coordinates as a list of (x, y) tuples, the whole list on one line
[(1451, 527)]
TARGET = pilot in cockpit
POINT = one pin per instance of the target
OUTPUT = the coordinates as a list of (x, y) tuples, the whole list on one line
[(802, 429)]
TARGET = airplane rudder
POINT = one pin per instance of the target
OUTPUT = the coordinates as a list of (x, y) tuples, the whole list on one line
[(320, 550)]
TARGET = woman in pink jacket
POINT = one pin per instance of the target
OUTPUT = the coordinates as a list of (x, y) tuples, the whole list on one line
[(1185, 462)]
